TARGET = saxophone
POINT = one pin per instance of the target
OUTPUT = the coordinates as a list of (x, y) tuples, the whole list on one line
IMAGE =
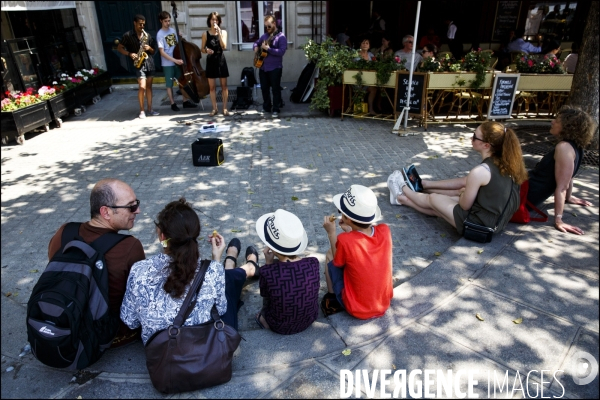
[(142, 55)]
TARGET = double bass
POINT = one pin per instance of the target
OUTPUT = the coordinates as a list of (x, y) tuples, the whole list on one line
[(193, 78)]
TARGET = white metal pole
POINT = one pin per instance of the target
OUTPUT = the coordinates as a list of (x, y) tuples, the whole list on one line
[(412, 64)]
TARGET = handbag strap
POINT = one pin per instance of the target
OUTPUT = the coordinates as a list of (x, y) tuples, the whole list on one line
[(188, 305), (544, 216), (507, 201)]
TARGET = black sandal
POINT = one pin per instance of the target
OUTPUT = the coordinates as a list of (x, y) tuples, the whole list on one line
[(235, 242), (330, 305), (252, 250), (257, 320)]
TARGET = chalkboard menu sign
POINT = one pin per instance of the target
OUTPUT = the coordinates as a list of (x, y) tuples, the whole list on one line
[(507, 18), (417, 91), (503, 96)]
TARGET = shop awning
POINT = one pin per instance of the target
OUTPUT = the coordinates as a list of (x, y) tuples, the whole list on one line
[(36, 5)]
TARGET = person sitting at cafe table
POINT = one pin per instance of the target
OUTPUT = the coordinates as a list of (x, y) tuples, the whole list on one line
[(365, 54), (552, 48), (429, 52), (406, 53), (519, 44)]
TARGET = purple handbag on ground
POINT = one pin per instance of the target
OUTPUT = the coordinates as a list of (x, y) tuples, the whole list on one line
[(184, 358)]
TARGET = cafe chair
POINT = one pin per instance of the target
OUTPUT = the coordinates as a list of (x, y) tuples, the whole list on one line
[(564, 53), (461, 98), (525, 99)]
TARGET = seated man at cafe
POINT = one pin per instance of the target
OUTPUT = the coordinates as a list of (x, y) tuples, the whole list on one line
[(406, 53), (519, 44)]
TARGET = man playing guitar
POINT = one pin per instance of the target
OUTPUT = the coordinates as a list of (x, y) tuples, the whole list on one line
[(274, 44)]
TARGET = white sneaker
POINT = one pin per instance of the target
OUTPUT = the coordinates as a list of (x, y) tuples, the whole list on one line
[(393, 183), (142, 115), (275, 115)]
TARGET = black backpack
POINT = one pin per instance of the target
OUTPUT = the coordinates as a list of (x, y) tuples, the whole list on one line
[(248, 78), (69, 323)]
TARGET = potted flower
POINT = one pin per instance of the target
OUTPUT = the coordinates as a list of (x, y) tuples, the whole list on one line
[(21, 113), (542, 74), (377, 72), (101, 79), (85, 89), (478, 61), (332, 60), (59, 103)]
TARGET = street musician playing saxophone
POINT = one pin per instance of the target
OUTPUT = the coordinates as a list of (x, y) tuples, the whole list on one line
[(139, 46)]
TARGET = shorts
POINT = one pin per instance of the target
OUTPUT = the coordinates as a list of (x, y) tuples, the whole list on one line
[(141, 74), (172, 71), (337, 280)]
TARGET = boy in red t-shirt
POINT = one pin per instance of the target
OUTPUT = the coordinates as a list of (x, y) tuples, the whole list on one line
[(359, 263)]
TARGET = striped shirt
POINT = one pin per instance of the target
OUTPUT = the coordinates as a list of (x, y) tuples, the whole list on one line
[(132, 44)]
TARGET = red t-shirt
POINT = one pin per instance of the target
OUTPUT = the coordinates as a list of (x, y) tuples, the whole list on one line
[(367, 263)]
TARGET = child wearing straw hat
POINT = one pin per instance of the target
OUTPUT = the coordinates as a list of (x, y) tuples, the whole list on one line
[(359, 262), (289, 285)]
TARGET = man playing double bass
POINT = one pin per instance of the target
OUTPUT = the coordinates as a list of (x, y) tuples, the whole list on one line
[(275, 45), (132, 45)]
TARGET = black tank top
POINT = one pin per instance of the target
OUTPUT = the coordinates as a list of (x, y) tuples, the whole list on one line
[(542, 181)]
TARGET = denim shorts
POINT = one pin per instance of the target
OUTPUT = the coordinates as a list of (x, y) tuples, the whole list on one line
[(141, 74), (337, 280), (171, 72)]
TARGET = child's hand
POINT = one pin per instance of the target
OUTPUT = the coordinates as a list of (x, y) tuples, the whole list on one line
[(269, 255), (329, 225)]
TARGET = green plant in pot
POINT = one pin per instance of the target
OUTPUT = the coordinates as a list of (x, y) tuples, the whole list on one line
[(332, 60), (476, 61)]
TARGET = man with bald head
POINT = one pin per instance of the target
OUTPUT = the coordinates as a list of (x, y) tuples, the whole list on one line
[(113, 207)]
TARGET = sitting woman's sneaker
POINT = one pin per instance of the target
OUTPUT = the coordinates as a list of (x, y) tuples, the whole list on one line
[(413, 179)]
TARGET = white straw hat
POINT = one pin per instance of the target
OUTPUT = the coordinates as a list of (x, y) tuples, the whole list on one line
[(358, 203), (283, 232)]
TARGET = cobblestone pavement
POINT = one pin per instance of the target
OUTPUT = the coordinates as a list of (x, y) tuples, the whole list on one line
[(297, 163)]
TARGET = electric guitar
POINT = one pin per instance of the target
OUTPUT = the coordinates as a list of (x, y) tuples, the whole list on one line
[(260, 55)]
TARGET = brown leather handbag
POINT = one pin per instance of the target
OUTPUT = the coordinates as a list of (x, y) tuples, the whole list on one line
[(184, 358)]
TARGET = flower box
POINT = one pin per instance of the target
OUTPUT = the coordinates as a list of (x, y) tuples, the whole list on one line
[(450, 80), (23, 120), (102, 82), (59, 106), (369, 78), (85, 92), (545, 82)]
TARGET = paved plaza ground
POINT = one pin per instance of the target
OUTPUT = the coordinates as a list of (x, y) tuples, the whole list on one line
[(298, 162)]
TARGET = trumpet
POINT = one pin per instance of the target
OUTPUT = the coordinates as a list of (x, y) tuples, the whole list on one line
[(142, 55)]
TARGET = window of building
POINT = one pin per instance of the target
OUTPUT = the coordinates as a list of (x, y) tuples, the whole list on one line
[(551, 18), (250, 17)]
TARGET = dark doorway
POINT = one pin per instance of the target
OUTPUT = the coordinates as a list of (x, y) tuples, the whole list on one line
[(115, 18)]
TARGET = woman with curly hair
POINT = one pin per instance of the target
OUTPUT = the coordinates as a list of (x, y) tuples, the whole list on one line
[(483, 193), (157, 286), (553, 175)]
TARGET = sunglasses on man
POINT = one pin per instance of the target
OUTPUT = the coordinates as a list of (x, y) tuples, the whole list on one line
[(133, 208)]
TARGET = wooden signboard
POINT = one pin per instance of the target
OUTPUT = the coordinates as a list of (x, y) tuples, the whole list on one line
[(418, 92), (507, 19), (503, 96)]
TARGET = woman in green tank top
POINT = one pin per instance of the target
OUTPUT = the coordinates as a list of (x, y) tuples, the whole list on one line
[(484, 191)]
